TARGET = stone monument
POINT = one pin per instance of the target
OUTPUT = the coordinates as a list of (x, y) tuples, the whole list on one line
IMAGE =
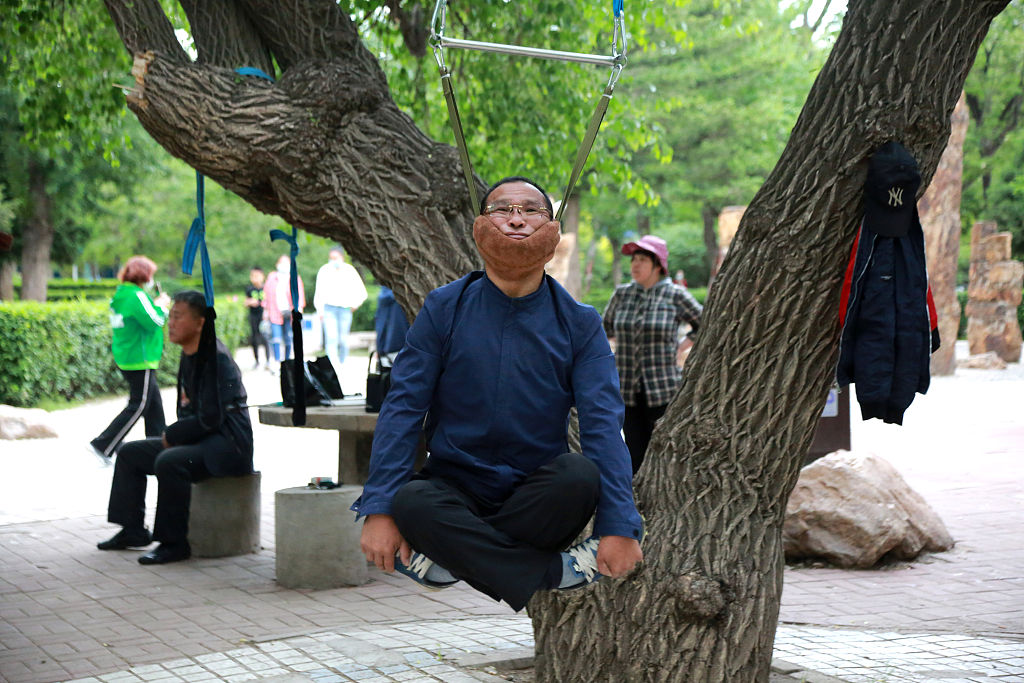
[(728, 224), (939, 209), (993, 294)]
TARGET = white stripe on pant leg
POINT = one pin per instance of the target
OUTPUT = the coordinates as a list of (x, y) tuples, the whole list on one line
[(116, 441)]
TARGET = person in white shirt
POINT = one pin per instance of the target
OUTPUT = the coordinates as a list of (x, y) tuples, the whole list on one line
[(339, 291)]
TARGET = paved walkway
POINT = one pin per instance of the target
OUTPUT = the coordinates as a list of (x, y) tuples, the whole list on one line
[(69, 612)]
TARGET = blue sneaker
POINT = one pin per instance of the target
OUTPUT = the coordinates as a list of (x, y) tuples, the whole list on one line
[(581, 563), (419, 565)]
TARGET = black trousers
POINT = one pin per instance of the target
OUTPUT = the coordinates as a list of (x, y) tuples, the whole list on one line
[(256, 338), (507, 551), (143, 401), (637, 427), (176, 468)]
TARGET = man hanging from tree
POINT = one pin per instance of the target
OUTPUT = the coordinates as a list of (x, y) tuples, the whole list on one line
[(494, 362)]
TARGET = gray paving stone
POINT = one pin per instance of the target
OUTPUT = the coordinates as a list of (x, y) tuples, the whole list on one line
[(93, 615)]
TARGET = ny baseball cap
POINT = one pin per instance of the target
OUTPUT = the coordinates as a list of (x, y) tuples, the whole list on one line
[(890, 192)]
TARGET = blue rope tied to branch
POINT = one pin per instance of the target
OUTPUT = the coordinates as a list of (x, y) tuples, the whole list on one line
[(260, 73), (298, 367), (196, 240), (293, 276)]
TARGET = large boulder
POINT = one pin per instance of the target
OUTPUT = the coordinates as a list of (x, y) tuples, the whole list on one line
[(25, 423), (853, 509)]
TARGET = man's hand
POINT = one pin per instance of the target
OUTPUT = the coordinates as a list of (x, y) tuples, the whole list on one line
[(617, 555), (381, 539)]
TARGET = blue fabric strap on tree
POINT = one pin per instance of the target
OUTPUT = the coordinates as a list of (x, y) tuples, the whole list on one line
[(293, 276), (196, 240), (298, 367), (617, 7), (259, 73)]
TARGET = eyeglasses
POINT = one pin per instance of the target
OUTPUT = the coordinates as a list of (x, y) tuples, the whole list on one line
[(506, 210)]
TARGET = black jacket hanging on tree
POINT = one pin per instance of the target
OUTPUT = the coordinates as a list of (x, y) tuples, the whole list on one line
[(888, 319)]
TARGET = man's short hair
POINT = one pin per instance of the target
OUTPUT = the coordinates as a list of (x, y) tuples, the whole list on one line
[(256, 268), (338, 249), (516, 179), (194, 300)]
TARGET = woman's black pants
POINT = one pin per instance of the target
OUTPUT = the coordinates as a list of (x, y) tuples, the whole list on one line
[(638, 426), (143, 401)]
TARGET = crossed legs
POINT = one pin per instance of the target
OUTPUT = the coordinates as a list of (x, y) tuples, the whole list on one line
[(511, 551)]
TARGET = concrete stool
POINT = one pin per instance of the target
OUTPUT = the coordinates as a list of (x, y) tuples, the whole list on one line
[(317, 539), (224, 517)]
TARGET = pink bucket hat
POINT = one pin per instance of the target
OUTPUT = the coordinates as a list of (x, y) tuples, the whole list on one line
[(652, 244)]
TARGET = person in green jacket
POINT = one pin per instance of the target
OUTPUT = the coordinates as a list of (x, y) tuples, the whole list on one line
[(137, 342)]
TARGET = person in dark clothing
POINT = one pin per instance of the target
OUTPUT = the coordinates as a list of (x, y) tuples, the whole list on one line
[(390, 323), (211, 438), (494, 362), (254, 304)]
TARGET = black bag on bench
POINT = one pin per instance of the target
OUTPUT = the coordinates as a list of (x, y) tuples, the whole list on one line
[(317, 394), (378, 381)]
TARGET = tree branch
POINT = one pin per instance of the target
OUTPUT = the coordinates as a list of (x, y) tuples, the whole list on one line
[(326, 152), (413, 26), (821, 15), (306, 29), (224, 36), (143, 26), (1009, 117)]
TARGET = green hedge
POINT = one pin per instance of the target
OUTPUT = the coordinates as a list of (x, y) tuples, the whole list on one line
[(66, 289), (362, 318), (62, 350)]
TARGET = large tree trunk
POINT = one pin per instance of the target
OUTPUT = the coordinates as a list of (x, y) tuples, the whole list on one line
[(565, 265), (940, 219), (616, 261), (326, 148), (6, 280), (37, 238), (714, 486)]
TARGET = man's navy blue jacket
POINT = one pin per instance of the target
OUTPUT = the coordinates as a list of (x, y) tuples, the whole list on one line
[(888, 323)]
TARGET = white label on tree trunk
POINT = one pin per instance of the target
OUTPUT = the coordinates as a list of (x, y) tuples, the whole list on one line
[(831, 404)]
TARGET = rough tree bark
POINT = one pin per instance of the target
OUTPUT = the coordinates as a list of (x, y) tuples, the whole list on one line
[(714, 486), (37, 238), (326, 148)]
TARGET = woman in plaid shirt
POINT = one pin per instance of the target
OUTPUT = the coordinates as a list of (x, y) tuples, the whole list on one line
[(644, 318)]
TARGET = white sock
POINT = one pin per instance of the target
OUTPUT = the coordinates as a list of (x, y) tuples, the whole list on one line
[(438, 574), (569, 577)]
